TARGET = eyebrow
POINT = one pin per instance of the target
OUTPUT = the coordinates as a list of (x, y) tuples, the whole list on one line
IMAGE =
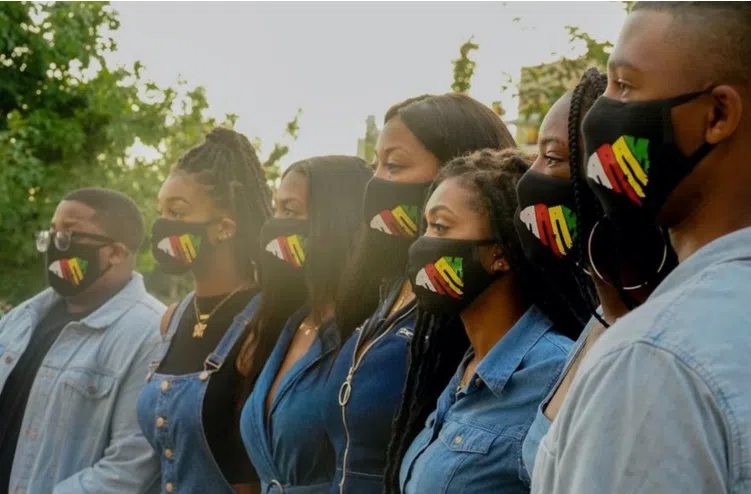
[(620, 62), (550, 140), (439, 207), (176, 199)]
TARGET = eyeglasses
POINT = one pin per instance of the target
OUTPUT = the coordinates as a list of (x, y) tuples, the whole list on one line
[(64, 238)]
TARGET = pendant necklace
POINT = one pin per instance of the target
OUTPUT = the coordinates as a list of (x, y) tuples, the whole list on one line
[(202, 320)]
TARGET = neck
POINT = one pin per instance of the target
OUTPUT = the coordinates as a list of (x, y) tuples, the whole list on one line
[(716, 214), (219, 280), (613, 306), (94, 297), (492, 315)]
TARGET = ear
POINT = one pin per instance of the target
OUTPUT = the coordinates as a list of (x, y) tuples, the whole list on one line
[(118, 253), (499, 264), (226, 229), (725, 115)]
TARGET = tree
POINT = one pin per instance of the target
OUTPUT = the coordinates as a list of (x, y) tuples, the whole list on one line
[(464, 67), (68, 119), (542, 85)]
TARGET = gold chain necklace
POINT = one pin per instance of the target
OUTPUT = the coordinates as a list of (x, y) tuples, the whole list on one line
[(202, 320)]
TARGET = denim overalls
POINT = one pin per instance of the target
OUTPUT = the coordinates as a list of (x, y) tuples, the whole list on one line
[(170, 414), (289, 448)]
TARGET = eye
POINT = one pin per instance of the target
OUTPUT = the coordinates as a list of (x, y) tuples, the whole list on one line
[(176, 214), (287, 211), (394, 168), (552, 160), (437, 227), (622, 86)]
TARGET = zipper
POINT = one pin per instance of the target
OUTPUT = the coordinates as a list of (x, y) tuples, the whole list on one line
[(345, 391)]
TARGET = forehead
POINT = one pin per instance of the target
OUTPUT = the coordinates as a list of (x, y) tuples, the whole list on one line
[(452, 194), (655, 45), (294, 185), (555, 124), (396, 134), (76, 215), (183, 185)]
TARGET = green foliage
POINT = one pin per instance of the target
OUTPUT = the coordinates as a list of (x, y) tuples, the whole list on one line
[(366, 146), (464, 67), (542, 85), (280, 150), (68, 120)]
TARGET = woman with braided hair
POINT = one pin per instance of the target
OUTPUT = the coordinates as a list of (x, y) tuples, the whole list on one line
[(211, 207), (376, 309), (616, 269), (487, 321)]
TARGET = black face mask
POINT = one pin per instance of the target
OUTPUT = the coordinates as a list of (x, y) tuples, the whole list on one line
[(546, 218), (283, 252), (180, 246), (394, 209), (634, 163), (446, 274), (73, 271)]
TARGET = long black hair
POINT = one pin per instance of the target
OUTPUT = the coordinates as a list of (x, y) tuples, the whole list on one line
[(448, 125), (227, 165), (440, 342), (336, 185)]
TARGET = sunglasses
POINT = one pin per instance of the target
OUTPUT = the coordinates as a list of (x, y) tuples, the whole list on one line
[(63, 239)]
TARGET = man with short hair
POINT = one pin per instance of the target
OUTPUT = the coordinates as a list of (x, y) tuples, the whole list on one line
[(73, 358), (662, 401)]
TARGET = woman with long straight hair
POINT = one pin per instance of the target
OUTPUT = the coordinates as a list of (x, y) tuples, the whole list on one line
[(304, 249), (211, 207), (376, 310)]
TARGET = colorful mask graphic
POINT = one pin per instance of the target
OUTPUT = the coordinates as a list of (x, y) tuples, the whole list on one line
[(288, 248), (182, 247), (622, 167), (444, 276), (71, 270), (554, 226), (400, 221)]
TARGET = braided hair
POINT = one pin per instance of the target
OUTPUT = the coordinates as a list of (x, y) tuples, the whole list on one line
[(588, 208), (227, 165), (440, 342)]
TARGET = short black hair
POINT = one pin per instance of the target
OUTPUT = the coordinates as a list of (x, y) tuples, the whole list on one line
[(228, 165), (116, 214), (718, 33)]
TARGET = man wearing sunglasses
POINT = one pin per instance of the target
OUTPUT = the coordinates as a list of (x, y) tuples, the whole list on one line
[(73, 358)]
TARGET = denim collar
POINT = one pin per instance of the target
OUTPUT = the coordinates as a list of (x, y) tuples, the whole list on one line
[(731, 247), (506, 356), (102, 317)]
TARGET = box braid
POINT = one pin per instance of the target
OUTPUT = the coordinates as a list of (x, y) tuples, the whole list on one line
[(228, 166), (440, 342)]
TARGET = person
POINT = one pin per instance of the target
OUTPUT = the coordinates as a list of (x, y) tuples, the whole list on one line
[(305, 247), (365, 381), (73, 358), (470, 265), (659, 404), (212, 207), (555, 224)]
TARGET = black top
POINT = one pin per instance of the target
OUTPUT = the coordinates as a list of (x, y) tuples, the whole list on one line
[(15, 393), (225, 391)]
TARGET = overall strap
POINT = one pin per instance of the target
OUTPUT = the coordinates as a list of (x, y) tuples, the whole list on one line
[(216, 359)]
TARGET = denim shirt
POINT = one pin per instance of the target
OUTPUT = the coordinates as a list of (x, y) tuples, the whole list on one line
[(661, 402), (472, 442), (80, 432), (290, 450), (358, 421), (541, 424)]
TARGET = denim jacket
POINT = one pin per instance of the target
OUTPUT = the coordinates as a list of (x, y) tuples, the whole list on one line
[(79, 432), (661, 401), (472, 442)]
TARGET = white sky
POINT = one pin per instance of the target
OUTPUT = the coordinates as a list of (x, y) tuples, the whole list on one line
[(342, 61)]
